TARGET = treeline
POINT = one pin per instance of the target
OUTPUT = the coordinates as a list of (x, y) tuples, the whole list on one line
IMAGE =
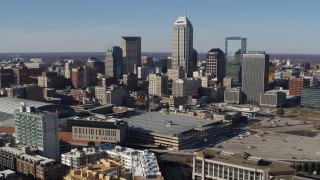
[(310, 167)]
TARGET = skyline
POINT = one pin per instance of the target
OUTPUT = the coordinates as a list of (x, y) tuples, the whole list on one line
[(275, 27)]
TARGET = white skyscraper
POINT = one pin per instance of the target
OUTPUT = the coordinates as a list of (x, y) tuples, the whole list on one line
[(182, 45)]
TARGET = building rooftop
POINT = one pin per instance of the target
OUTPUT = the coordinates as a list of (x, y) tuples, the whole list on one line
[(183, 20), (244, 159), (166, 124), (8, 105)]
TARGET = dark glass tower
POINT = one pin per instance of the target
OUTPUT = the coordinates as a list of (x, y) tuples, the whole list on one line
[(235, 47), (114, 62)]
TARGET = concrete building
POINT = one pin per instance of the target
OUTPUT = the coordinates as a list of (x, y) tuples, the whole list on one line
[(81, 157), (174, 131), (182, 45), (175, 74), (158, 84), (272, 99), (255, 74), (173, 101), (185, 87), (101, 170), (37, 129), (67, 69), (233, 96), (9, 175), (115, 95), (24, 160), (212, 164), (51, 80), (216, 64), (227, 82), (114, 62), (131, 49), (83, 77), (97, 129), (147, 61), (235, 47), (310, 97), (100, 94), (6, 138)]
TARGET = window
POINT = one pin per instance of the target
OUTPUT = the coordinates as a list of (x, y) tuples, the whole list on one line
[(198, 166)]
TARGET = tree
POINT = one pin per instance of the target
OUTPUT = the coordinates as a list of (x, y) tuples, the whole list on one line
[(280, 112)]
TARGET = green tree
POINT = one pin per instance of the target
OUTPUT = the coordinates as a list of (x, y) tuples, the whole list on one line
[(280, 112)]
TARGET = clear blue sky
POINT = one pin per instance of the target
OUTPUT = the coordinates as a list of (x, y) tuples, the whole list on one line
[(276, 26)]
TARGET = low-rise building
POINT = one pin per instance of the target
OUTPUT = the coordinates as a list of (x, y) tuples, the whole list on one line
[(8, 175), (233, 96), (100, 170), (81, 157), (97, 129), (174, 101), (25, 160), (212, 164), (272, 99)]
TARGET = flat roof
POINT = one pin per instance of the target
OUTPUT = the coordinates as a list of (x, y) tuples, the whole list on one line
[(165, 124), (244, 159), (8, 105)]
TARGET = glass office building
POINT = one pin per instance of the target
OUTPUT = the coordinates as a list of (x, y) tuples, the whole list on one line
[(310, 97), (235, 47)]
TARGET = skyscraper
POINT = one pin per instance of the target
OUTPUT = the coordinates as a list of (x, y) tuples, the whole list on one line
[(37, 129), (235, 47), (255, 74), (114, 62), (182, 45), (216, 63), (131, 49)]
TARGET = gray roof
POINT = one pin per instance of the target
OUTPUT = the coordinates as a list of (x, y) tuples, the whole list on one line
[(165, 124), (8, 105)]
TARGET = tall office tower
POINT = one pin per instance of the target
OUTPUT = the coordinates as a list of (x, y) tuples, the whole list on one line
[(175, 74), (195, 60), (131, 49), (235, 48), (158, 84), (182, 45), (114, 62), (216, 64), (255, 75), (67, 69), (37, 129)]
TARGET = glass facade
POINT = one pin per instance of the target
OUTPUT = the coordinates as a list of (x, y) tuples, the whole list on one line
[(235, 47)]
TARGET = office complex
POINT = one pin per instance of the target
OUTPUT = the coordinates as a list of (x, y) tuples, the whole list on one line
[(233, 96), (185, 87), (83, 77), (147, 61), (37, 129), (158, 84), (182, 45), (310, 97), (235, 47), (131, 51), (96, 129), (112, 95), (296, 85), (173, 131), (114, 62), (212, 164), (272, 99), (216, 64), (255, 73), (175, 74), (97, 65)]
